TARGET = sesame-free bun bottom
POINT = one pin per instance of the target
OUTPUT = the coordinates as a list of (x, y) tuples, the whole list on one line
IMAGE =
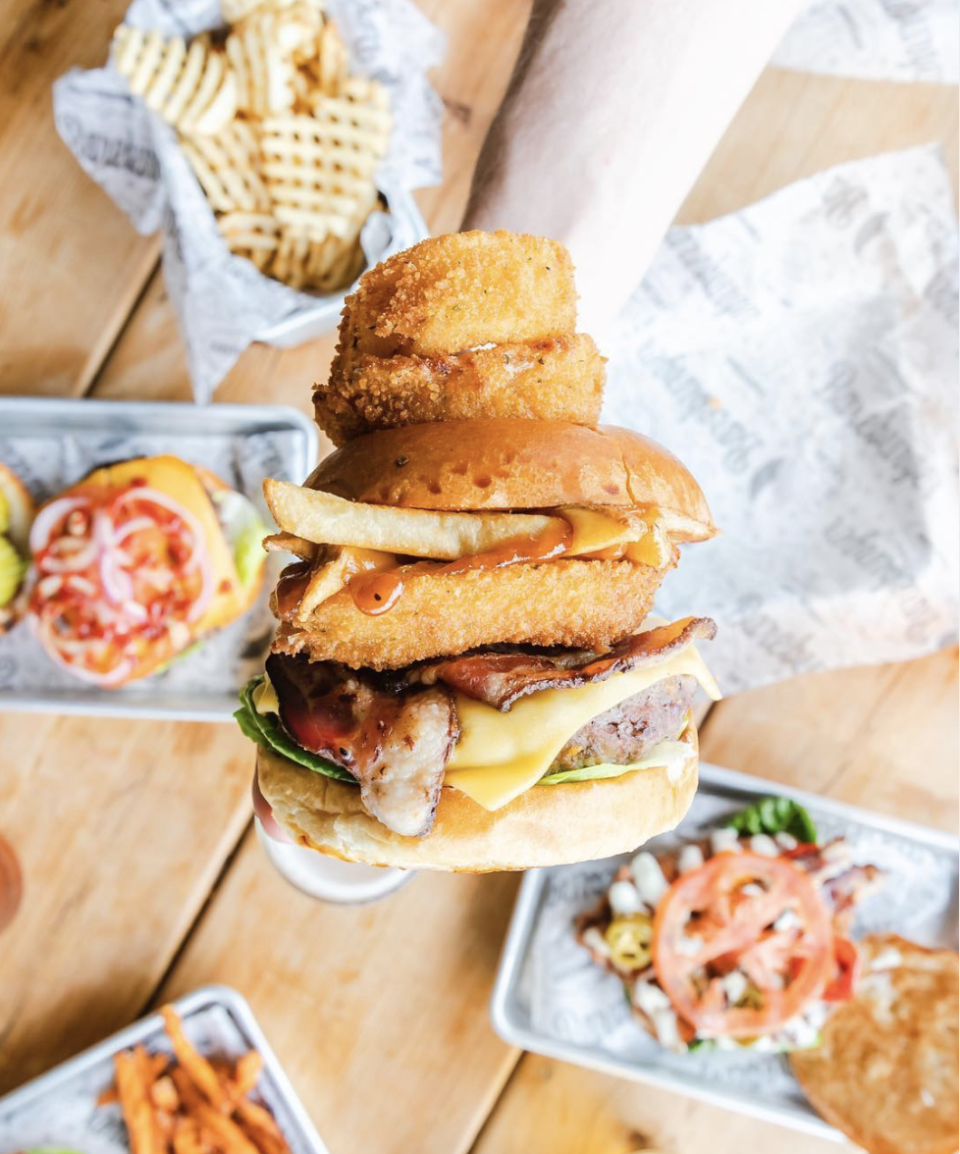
[(546, 825), (584, 604)]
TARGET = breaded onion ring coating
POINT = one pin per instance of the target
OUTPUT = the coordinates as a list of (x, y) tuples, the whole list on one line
[(589, 604), (556, 378), (454, 292)]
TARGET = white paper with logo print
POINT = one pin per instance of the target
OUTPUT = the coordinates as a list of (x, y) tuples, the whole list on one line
[(222, 302), (800, 356), (904, 40)]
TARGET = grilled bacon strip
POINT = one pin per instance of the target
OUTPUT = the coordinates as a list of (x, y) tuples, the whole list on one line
[(501, 678), (396, 744)]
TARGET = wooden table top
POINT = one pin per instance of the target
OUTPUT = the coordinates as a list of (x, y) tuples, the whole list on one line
[(143, 878)]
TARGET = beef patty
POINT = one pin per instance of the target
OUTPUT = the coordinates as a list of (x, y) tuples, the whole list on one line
[(626, 732)]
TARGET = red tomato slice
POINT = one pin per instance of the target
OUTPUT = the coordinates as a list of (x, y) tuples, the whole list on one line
[(842, 986), (705, 926)]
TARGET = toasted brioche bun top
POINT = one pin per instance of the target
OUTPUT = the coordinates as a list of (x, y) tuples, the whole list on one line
[(503, 463), (546, 825), (22, 508)]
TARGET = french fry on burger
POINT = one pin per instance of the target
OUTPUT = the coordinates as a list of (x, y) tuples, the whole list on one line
[(138, 562), (465, 676)]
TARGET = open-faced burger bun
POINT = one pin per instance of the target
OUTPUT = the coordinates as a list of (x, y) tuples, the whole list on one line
[(517, 464), (547, 825)]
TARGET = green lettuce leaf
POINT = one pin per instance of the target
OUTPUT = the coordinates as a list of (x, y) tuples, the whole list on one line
[(772, 815), (664, 754), (265, 729)]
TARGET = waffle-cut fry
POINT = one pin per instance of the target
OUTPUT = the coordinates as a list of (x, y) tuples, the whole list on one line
[(283, 141), (227, 167), (319, 169), (329, 68), (190, 87), (264, 70), (251, 235)]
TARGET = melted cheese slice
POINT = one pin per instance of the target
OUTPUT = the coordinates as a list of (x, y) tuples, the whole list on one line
[(593, 531), (501, 755)]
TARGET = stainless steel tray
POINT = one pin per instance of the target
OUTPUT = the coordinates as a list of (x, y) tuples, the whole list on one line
[(51, 442), (550, 998), (59, 1108)]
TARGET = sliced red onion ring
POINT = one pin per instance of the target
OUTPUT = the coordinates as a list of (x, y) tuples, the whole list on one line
[(49, 516)]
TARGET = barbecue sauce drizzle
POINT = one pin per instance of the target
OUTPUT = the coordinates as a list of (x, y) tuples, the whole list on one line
[(376, 593)]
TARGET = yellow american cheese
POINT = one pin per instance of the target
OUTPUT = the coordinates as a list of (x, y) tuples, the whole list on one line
[(500, 755)]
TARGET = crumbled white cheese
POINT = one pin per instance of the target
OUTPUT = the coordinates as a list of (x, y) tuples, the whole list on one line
[(648, 875), (888, 959), (649, 997), (665, 1024), (788, 920), (688, 947), (734, 985), (624, 898), (800, 1032), (761, 844), (594, 940), (724, 839), (926, 1097), (691, 858), (752, 890), (785, 840)]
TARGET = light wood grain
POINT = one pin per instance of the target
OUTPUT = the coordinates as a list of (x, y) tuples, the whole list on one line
[(72, 265), (121, 828), (378, 1013), (563, 1109), (793, 125), (884, 738)]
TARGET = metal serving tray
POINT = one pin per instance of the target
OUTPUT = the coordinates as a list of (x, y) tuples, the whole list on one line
[(59, 1108), (51, 441), (550, 998)]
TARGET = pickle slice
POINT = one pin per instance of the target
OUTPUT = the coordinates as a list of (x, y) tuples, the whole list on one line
[(12, 569)]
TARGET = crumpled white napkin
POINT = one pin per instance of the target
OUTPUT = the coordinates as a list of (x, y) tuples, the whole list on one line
[(906, 40), (800, 357)]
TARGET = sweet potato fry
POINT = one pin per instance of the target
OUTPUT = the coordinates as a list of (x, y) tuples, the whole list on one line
[(197, 1067)]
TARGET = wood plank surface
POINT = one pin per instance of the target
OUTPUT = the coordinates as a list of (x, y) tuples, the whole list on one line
[(121, 828), (378, 1013), (72, 265)]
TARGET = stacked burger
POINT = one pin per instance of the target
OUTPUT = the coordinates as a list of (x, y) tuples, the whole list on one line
[(466, 675)]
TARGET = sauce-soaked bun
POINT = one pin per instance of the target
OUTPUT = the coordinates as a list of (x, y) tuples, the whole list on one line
[(546, 825), (500, 463)]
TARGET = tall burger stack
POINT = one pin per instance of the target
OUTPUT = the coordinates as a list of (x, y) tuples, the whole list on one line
[(466, 675)]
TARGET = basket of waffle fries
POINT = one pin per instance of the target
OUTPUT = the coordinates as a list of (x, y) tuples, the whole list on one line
[(275, 142)]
